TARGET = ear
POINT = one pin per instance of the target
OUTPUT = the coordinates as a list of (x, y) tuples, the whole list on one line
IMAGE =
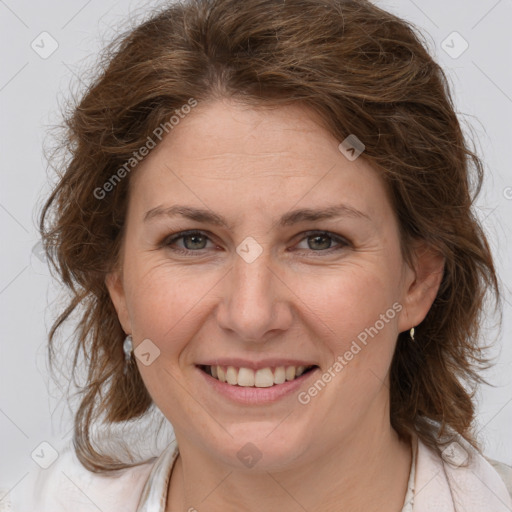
[(421, 285), (114, 283)]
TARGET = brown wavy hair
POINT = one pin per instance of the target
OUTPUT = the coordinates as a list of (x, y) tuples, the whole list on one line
[(365, 72)]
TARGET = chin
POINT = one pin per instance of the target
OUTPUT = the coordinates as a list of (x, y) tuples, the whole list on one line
[(259, 445)]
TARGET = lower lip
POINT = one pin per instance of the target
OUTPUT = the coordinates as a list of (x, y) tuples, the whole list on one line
[(255, 396)]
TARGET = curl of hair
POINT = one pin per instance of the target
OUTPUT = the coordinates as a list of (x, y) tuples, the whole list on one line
[(364, 71)]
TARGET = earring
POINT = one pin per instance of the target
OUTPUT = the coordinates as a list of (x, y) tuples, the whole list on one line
[(127, 349), (411, 334)]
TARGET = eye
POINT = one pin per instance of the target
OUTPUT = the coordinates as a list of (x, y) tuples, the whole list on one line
[(321, 241), (196, 241), (193, 241)]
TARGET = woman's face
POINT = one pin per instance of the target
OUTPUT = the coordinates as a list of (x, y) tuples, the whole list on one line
[(296, 263)]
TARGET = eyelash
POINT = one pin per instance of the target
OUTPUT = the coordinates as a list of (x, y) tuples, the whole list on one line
[(167, 242)]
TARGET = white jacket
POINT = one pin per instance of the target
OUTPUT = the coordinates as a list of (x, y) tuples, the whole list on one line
[(440, 484)]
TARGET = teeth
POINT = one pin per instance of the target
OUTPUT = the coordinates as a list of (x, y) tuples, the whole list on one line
[(231, 376), (290, 372), (245, 377), (280, 375), (262, 378), (220, 374)]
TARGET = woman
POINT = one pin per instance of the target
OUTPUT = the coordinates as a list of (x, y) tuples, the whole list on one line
[(267, 220)]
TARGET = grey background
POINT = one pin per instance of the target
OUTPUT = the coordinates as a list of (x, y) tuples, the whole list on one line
[(31, 88)]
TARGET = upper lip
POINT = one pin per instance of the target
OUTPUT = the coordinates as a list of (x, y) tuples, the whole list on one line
[(254, 365)]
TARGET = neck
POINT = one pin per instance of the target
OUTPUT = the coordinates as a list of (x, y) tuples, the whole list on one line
[(369, 471)]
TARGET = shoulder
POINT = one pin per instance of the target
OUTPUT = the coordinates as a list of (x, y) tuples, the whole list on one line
[(505, 472), (67, 486), (494, 475), (457, 473)]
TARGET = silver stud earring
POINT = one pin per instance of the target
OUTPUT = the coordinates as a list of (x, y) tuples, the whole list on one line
[(127, 349), (411, 334)]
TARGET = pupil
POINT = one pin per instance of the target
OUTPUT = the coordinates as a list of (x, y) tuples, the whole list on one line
[(194, 237), (320, 237)]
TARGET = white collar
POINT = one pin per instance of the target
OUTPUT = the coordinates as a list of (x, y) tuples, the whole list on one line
[(448, 484), (154, 494), (435, 483)]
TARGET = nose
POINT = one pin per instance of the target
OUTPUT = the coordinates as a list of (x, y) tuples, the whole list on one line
[(256, 301)]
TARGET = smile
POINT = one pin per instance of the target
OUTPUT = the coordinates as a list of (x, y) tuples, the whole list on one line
[(261, 378)]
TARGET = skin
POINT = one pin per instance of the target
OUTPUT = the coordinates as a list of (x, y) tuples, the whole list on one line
[(297, 299)]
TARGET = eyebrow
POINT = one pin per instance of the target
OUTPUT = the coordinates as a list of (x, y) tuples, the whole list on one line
[(288, 219)]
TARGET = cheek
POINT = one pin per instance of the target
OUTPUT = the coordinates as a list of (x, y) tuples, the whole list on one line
[(162, 303), (350, 299), (356, 310)]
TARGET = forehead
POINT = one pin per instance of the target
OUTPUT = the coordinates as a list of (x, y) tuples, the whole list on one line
[(237, 154)]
